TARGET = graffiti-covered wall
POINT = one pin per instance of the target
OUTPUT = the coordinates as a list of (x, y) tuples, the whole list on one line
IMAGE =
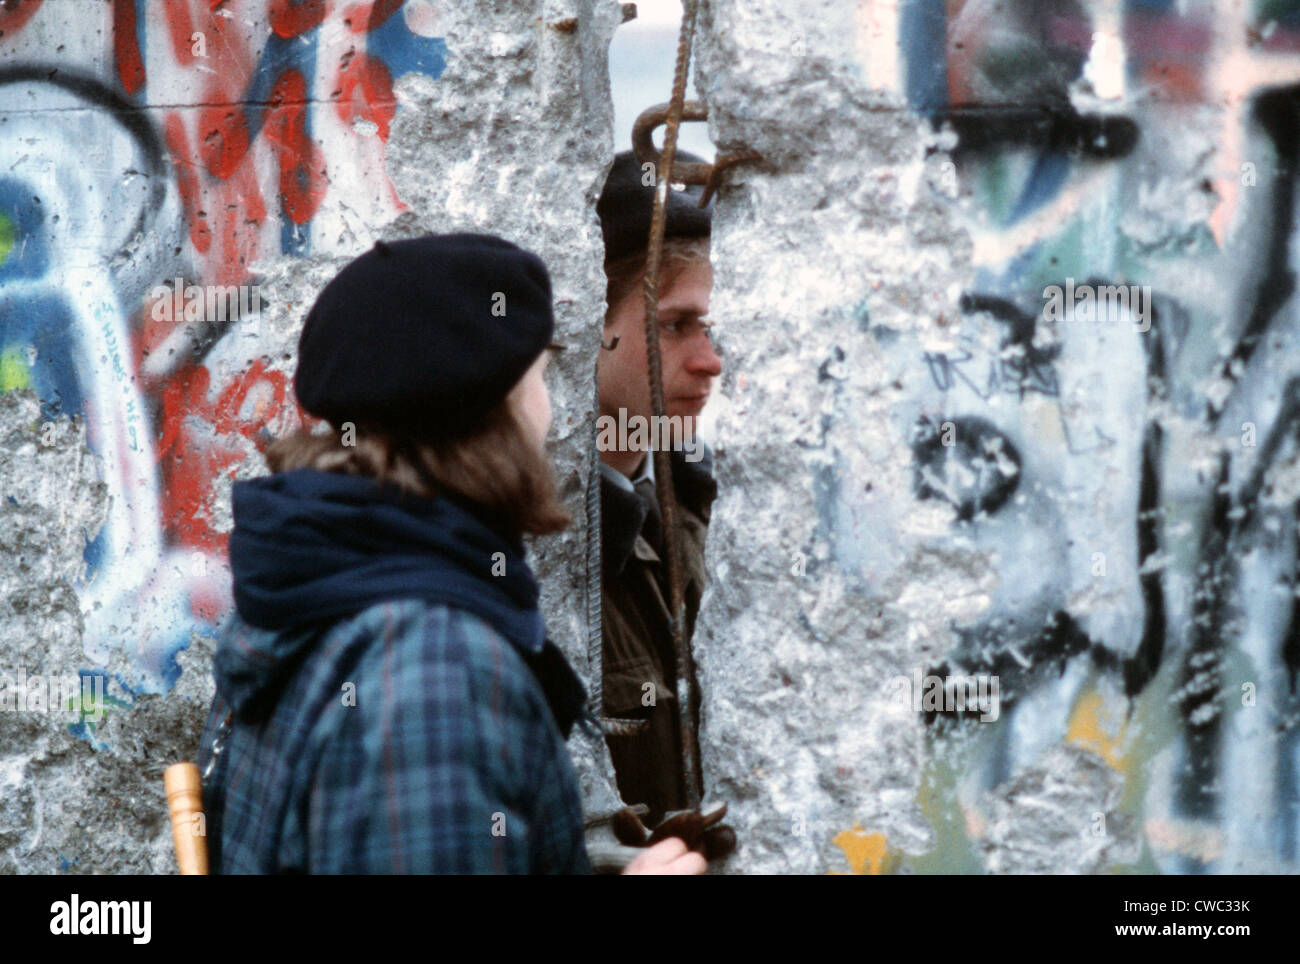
[(1004, 565), (1006, 555), (178, 178)]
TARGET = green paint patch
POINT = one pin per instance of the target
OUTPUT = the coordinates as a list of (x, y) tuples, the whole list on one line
[(92, 709), (8, 237), (954, 852), (93, 706), (993, 189), (14, 372), (1064, 255)]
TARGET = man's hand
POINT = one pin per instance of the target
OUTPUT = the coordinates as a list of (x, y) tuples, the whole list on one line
[(620, 843), (668, 857)]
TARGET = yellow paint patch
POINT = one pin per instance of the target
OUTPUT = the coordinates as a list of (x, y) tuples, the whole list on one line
[(862, 850), (1094, 728), (13, 370)]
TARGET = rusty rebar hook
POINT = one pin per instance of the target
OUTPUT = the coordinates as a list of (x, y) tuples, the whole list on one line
[(683, 172)]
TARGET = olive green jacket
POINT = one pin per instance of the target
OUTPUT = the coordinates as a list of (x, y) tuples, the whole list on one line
[(640, 675)]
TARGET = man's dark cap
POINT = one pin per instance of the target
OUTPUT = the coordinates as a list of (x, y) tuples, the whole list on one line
[(424, 336), (627, 201)]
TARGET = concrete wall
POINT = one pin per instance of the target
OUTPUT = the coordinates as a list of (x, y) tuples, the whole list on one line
[(927, 470), (261, 144)]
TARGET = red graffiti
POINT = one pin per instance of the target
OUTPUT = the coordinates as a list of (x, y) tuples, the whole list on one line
[(126, 49), (289, 18), (221, 150), (238, 239), (207, 603), (190, 460), (366, 93), (13, 17), (302, 172), (223, 138), (180, 24), (233, 103), (200, 441), (362, 17), (186, 181)]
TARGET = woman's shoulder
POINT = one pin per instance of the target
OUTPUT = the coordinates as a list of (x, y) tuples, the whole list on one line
[(442, 630), (443, 687), (418, 643)]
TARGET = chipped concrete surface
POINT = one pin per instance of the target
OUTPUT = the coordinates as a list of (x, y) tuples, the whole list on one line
[(429, 153), (926, 471)]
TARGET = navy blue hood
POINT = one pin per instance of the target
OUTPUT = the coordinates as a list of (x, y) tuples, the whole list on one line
[(309, 548), (312, 546)]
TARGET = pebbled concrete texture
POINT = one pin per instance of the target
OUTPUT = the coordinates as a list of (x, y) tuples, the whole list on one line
[(1087, 535), (835, 232), (244, 147), (82, 782)]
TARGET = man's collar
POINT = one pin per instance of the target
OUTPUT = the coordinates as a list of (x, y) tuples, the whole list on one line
[(700, 471), (623, 511), (646, 471), (615, 477)]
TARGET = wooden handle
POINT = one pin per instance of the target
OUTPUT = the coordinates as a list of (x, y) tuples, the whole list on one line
[(184, 789)]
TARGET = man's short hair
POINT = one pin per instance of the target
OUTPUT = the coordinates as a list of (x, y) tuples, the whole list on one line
[(626, 275)]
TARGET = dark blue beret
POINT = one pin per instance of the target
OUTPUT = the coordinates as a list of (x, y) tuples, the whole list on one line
[(627, 202), (424, 336)]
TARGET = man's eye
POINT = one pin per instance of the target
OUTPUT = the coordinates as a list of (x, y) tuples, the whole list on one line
[(685, 328)]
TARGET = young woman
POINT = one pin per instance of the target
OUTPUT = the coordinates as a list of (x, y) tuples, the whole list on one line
[(387, 700)]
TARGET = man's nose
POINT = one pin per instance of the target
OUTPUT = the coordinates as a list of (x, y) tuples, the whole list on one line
[(704, 358)]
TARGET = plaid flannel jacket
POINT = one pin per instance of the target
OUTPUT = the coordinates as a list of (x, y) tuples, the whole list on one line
[(409, 738)]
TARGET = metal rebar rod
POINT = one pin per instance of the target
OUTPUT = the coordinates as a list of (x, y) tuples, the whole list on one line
[(663, 466)]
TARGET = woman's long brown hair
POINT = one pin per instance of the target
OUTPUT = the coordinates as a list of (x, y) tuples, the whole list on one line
[(496, 468)]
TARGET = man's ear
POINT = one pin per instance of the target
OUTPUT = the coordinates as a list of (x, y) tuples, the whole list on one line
[(609, 339)]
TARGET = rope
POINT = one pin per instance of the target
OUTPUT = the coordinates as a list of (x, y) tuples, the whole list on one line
[(595, 634), (663, 466)]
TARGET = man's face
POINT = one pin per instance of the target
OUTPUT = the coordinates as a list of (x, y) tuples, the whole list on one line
[(689, 362)]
